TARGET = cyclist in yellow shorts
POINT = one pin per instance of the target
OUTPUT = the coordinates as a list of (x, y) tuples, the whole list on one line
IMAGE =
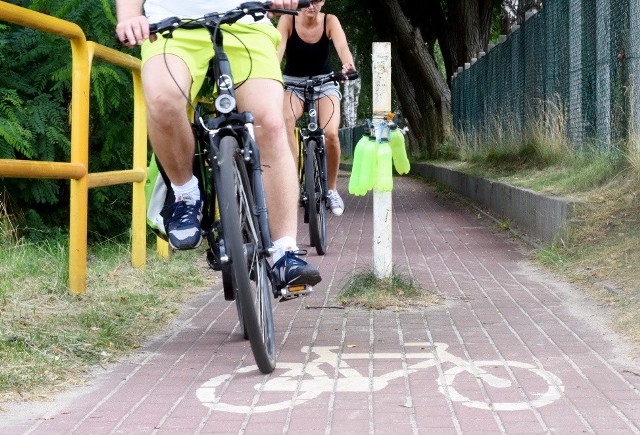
[(175, 68)]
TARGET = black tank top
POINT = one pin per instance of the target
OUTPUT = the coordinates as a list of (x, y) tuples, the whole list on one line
[(304, 59)]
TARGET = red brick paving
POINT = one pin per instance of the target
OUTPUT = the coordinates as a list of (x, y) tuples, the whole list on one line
[(511, 350)]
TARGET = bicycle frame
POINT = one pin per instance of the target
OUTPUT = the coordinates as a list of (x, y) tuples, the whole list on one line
[(313, 130), (228, 121), (313, 177)]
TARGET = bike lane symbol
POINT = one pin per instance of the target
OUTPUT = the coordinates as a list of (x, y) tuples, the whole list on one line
[(311, 380)]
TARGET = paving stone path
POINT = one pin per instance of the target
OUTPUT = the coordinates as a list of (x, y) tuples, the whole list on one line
[(512, 349)]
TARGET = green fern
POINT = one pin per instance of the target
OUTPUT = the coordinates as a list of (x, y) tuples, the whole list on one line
[(35, 97), (44, 191)]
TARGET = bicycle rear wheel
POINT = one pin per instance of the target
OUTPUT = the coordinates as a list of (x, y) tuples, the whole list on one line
[(316, 198), (243, 244)]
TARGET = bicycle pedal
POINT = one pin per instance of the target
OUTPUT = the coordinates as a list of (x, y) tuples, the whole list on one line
[(294, 291)]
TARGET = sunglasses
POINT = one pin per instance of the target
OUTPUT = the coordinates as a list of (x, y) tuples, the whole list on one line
[(315, 2)]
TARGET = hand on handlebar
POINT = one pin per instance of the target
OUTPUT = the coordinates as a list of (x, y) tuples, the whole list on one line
[(133, 31), (348, 67), (349, 71), (289, 4), (349, 74)]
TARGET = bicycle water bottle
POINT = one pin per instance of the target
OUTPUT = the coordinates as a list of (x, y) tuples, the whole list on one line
[(354, 180), (384, 175), (368, 165), (399, 152)]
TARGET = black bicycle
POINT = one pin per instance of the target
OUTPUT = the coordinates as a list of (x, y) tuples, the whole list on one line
[(227, 163), (312, 158)]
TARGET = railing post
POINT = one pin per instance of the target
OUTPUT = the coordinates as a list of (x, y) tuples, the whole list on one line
[(79, 202), (139, 209), (382, 203), (77, 170)]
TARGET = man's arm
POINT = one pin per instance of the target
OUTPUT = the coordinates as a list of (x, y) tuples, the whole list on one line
[(133, 26)]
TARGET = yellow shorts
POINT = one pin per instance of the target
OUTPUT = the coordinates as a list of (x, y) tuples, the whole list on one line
[(251, 48)]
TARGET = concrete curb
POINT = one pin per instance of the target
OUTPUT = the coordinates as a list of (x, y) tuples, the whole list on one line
[(537, 218)]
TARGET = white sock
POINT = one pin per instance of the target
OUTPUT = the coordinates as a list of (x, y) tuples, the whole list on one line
[(188, 192), (282, 245)]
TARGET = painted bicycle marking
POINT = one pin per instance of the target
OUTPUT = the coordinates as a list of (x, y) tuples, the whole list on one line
[(311, 380)]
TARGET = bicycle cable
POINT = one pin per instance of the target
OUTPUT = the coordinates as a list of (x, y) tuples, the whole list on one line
[(321, 95), (214, 36)]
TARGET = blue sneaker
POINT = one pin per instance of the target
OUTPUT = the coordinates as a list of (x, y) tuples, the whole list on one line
[(294, 277), (183, 227)]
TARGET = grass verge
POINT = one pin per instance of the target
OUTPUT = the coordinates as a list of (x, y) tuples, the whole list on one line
[(602, 251), (397, 293), (50, 339)]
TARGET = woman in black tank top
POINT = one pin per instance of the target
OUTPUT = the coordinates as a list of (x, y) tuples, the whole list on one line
[(306, 44), (307, 58)]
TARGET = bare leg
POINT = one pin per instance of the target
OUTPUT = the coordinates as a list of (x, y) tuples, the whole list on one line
[(264, 97), (293, 107), (169, 128), (329, 114)]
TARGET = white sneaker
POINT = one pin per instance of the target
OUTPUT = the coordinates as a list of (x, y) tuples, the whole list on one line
[(334, 203)]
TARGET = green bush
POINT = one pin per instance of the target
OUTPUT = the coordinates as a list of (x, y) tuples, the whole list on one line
[(35, 97)]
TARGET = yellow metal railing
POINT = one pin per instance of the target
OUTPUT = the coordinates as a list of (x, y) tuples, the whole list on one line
[(77, 170)]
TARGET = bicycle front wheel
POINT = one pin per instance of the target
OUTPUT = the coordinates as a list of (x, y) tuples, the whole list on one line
[(248, 260), (316, 197)]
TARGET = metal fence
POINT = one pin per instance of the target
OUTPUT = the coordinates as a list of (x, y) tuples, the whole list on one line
[(76, 170), (349, 137), (582, 56)]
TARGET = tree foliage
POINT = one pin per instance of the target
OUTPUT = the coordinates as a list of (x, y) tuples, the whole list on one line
[(430, 39), (35, 96)]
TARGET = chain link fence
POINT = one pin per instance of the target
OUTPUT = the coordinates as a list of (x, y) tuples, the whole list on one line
[(349, 137), (581, 56)]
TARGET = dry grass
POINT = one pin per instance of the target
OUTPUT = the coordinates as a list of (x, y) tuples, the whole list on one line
[(51, 339), (396, 293), (603, 250), (633, 151)]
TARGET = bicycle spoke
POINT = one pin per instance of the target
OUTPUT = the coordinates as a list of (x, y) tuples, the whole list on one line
[(315, 197), (248, 261)]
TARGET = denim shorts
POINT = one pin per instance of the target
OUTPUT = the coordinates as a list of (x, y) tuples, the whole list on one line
[(325, 90)]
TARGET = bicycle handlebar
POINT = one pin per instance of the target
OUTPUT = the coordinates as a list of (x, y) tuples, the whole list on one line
[(255, 9), (319, 81)]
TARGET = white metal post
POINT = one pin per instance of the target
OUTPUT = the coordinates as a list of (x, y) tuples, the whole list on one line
[(382, 204)]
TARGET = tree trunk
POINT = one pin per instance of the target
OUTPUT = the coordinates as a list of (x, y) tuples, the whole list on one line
[(422, 91), (460, 28), (417, 111), (351, 91), (468, 29)]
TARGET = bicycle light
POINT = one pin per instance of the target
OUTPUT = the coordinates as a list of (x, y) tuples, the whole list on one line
[(313, 126), (225, 103)]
